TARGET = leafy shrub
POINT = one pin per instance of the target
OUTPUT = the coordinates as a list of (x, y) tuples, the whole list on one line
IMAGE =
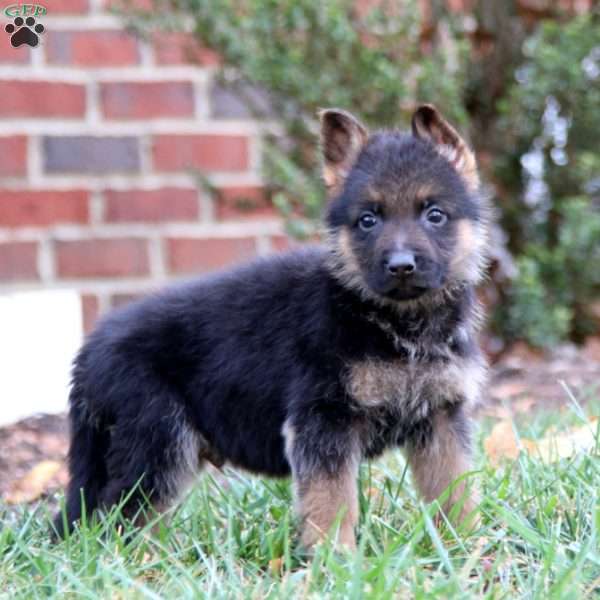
[(548, 299), (550, 124)]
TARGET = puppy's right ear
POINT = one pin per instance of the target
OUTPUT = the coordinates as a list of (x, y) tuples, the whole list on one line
[(428, 124), (342, 139)]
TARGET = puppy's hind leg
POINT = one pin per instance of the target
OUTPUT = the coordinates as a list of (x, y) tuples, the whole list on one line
[(87, 464), (151, 460)]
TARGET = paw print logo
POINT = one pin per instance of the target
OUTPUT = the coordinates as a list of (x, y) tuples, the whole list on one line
[(24, 32)]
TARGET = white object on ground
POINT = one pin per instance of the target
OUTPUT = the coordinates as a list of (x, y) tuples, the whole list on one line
[(40, 333)]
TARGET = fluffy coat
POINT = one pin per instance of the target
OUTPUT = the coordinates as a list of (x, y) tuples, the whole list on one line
[(307, 362)]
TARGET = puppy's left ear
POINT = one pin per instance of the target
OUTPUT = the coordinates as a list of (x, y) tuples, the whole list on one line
[(428, 124), (342, 139)]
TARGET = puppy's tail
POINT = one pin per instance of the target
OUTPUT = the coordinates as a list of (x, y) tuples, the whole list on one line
[(87, 463)]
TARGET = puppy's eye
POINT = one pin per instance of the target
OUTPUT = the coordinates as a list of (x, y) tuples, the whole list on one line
[(367, 221), (435, 216)]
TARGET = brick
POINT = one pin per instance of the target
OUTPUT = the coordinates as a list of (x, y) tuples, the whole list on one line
[(90, 311), (41, 99), (281, 243), (152, 206), (89, 154), (13, 153), (10, 55), (124, 257), (179, 48), (73, 7), (118, 300), (42, 208), (205, 152), (99, 48), (244, 202), (228, 103), (126, 100), (187, 255), (461, 5), (18, 261), (128, 5)]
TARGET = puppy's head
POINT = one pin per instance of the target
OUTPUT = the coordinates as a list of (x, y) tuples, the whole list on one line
[(405, 217)]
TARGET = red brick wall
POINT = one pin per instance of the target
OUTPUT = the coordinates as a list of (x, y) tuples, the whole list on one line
[(100, 134)]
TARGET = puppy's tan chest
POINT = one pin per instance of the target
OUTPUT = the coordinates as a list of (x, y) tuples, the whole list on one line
[(415, 387)]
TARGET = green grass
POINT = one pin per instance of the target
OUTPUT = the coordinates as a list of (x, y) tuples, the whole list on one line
[(237, 538)]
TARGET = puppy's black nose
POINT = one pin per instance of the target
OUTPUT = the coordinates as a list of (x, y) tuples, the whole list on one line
[(401, 263)]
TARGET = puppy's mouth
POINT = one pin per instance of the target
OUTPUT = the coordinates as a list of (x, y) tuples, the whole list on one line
[(402, 290), (406, 293)]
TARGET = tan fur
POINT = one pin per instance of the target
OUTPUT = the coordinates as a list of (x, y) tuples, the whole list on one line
[(439, 464), (467, 264), (289, 435), (389, 199), (428, 123), (189, 450), (343, 265), (323, 500), (464, 162), (468, 169), (332, 179), (469, 257), (425, 191), (416, 388), (375, 194), (342, 139)]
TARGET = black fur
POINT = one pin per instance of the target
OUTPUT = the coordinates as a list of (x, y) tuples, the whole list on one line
[(215, 367)]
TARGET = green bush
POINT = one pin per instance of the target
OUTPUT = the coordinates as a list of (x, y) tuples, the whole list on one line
[(531, 111), (548, 299), (550, 127)]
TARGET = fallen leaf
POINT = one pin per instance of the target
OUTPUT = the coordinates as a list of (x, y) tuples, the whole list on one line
[(554, 446), (373, 492), (34, 483), (523, 355), (508, 390), (523, 405), (503, 444), (276, 565)]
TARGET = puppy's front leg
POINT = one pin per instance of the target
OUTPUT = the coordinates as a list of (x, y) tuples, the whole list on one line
[(322, 499), (436, 462), (325, 471)]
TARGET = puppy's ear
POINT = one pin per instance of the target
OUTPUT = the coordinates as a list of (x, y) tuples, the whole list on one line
[(342, 139), (428, 124)]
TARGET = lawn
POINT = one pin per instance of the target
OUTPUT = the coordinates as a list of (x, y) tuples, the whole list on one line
[(235, 537)]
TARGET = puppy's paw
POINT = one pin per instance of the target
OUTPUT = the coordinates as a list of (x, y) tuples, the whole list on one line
[(343, 540)]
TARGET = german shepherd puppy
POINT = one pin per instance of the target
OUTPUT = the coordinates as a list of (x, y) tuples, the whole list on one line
[(307, 362)]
